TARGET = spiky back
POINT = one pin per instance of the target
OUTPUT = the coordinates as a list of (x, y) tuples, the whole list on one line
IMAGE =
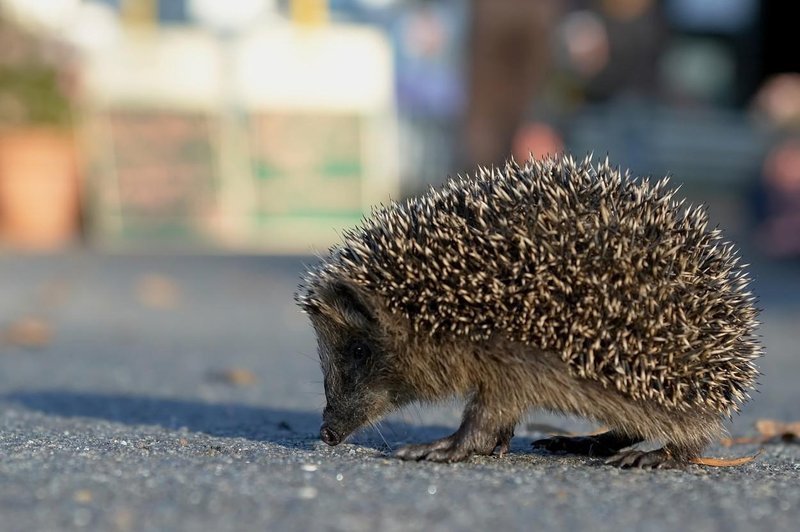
[(614, 274)]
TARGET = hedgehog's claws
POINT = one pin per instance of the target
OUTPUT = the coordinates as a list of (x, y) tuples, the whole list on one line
[(420, 451), (459, 446), (451, 449), (502, 448), (503, 441), (658, 459), (454, 453)]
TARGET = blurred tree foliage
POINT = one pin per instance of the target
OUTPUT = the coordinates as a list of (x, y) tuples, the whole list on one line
[(36, 79)]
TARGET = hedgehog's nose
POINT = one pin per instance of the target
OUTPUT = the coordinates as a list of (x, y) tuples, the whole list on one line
[(329, 435)]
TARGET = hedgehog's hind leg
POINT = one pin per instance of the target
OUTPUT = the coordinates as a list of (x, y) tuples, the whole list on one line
[(605, 444), (675, 454), (686, 435), (656, 459)]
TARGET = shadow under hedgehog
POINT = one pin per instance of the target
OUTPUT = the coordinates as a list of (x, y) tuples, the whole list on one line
[(563, 285)]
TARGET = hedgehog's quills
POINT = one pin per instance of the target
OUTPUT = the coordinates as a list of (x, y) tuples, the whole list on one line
[(560, 285)]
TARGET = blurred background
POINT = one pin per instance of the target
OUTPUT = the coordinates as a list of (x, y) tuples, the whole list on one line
[(266, 126), (167, 167)]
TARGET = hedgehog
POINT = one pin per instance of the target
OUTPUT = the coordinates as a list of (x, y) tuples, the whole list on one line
[(557, 284)]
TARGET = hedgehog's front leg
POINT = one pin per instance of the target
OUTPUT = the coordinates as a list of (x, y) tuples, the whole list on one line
[(484, 430)]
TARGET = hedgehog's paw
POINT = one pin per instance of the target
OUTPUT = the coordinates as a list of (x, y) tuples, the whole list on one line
[(605, 444), (454, 453), (458, 447), (419, 451), (450, 449), (658, 459)]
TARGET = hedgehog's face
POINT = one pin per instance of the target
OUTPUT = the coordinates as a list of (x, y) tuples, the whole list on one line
[(353, 356)]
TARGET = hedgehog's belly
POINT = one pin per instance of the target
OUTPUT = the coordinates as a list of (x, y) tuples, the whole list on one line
[(556, 390)]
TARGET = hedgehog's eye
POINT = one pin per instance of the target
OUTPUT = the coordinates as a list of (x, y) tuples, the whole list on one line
[(358, 350)]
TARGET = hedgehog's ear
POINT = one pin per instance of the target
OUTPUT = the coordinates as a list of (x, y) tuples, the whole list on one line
[(350, 304)]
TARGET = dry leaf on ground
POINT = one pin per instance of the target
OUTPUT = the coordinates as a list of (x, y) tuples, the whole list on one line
[(29, 332), (234, 376), (83, 496), (724, 462), (158, 291), (768, 430)]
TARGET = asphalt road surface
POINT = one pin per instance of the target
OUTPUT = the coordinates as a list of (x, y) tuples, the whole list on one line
[(183, 393)]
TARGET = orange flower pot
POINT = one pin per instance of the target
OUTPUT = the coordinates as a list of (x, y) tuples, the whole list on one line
[(38, 189)]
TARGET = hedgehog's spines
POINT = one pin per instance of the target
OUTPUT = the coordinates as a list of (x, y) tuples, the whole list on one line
[(582, 260)]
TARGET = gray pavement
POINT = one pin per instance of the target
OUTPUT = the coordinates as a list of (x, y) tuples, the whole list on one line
[(123, 419)]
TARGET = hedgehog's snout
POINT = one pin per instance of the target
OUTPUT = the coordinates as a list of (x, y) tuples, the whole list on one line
[(327, 433), (329, 436)]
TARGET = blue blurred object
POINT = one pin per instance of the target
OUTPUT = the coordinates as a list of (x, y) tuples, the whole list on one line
[(727, 16), (173, 11), (429, 42), (116, 4)]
